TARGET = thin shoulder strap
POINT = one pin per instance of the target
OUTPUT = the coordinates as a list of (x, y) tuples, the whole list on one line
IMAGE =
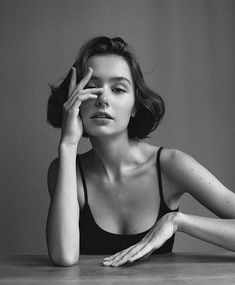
[(83, 180), (159, 173)]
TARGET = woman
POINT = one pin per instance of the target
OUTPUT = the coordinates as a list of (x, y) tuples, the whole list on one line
[(121, 198)]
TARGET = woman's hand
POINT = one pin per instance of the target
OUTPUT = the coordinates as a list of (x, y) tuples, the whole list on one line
[(155, 238), (72, 127)]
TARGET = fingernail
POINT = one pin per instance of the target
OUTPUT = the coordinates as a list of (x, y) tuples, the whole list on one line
[(90, 69)]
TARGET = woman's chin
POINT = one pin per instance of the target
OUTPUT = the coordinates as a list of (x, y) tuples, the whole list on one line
[(99, 132), (103, 132)]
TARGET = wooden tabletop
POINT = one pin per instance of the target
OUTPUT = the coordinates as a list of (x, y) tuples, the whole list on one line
[(167, 269)]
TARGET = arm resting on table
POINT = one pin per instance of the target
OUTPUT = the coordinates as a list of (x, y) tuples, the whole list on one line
[(62, 230)]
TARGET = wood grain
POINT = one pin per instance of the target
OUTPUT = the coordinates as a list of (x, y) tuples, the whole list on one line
[(167, 269)]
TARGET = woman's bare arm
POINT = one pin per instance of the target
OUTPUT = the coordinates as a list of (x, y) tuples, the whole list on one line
[(62, 229), (191, 177)]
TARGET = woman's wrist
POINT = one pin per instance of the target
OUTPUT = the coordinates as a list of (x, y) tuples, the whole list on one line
[(67, 148), (176, 219)]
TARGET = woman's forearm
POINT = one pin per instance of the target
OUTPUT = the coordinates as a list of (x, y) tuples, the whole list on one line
[(220, 232), (63, 217)]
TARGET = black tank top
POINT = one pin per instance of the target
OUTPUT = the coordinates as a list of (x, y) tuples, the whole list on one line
[(94, 240)]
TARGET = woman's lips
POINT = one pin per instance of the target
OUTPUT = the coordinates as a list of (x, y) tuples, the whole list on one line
[(102, 115), (101, 120)]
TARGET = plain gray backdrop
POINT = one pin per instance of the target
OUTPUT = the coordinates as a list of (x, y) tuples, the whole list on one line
[(186, 49)]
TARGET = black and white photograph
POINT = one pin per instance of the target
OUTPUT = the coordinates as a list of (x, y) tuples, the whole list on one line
[(117, 126)]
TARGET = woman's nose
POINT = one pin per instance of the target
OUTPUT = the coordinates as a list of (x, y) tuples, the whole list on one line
[(102, 99)]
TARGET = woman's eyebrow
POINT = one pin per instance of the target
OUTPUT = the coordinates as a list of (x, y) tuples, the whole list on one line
[(120, 79), (116, 78)]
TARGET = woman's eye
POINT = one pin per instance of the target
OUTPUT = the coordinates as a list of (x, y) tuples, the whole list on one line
[(118, 90)]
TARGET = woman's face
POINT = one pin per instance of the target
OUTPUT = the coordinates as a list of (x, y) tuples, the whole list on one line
[(113, 74)]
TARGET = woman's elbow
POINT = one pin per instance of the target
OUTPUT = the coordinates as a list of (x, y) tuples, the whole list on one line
[(65, 260)]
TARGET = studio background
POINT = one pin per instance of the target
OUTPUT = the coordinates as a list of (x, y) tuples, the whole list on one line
[(186, 49)]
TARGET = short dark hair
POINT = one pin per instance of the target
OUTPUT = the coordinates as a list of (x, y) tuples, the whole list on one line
[(150, 106)]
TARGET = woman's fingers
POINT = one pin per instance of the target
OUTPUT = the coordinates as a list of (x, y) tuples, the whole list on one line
[(146, 255), (85, 79), (134, 254), (147, 249), (87, 96), (73, 83), (126, 258), (112, 256), (140, 250), (109, 260), (123, 256), (75, 88), (76, 93), (92, 90), (76, 101)]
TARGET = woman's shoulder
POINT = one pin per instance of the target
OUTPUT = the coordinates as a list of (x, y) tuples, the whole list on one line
[(180, 168), (168, 156), (173, 159)]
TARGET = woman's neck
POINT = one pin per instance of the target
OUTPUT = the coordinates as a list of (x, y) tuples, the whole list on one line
[(113, 154)]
